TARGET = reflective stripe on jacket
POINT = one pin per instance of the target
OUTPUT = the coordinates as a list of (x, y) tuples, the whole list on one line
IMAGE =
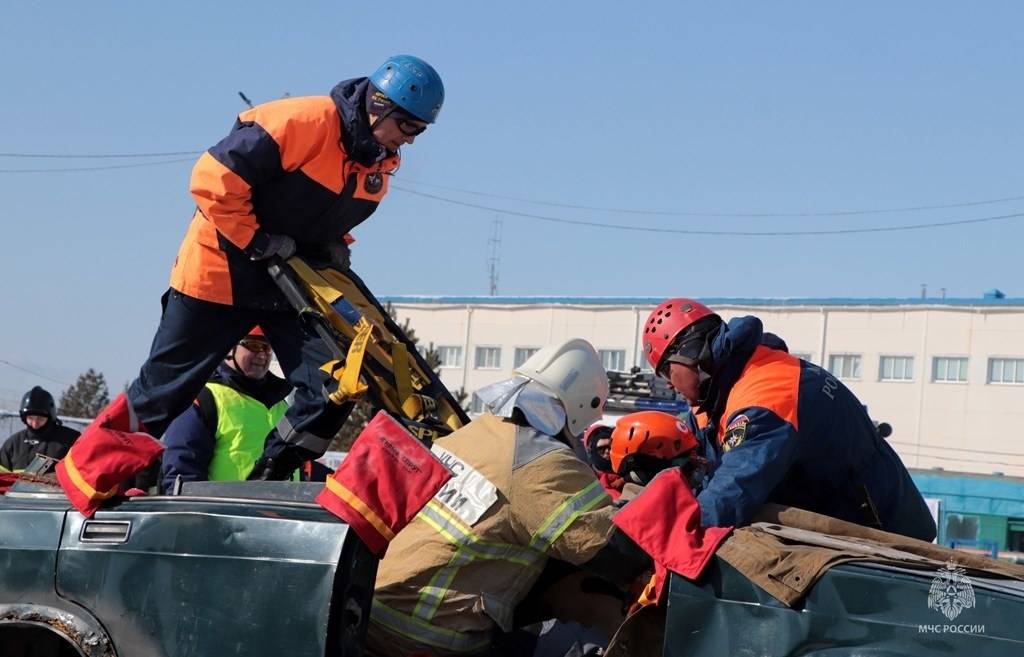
[(453, 577)]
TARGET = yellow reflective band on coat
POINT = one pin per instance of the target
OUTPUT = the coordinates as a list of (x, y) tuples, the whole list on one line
[(83, 485), (468, 547), (432, 595), (455, 531), (565, 514), (425, 633), (353, 501)]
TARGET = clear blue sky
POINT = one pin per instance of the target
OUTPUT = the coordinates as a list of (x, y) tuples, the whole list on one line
[(674, 106)]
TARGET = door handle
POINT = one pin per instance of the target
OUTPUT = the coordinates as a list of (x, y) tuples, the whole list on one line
[(105, 531)]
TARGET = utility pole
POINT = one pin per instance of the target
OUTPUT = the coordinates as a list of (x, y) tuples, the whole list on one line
[(494, 255)]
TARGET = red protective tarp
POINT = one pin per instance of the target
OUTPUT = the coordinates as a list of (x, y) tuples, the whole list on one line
[(7, 480), (384, 481), (664, 520), (106, 455)]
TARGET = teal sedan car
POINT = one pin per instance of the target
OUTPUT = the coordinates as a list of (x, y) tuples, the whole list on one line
[(235, 568), (258, 569)]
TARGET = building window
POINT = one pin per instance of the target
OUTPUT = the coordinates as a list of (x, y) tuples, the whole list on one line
[(1006, 370), (613, 360), (449, 356), (896, 368), (946, 369), (488, 358), (845, 366), (522, 354)]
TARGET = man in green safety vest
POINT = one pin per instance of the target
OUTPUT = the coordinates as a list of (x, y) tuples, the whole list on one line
[(221, 435)]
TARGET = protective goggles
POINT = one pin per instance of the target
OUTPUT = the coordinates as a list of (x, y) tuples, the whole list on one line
[(255, 346), (409, 128), (687, 353)]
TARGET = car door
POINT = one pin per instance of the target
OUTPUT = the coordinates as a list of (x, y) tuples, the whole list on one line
[(177, 575)]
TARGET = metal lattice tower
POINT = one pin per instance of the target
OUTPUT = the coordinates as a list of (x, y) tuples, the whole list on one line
[(494, 256)]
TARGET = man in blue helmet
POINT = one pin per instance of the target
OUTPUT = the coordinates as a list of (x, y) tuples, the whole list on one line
[(293, 176)]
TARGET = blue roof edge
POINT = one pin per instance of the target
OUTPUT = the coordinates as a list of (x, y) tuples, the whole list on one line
[(711, 301)]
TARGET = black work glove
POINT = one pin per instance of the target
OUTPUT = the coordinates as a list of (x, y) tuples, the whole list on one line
[(265, 245), (339, 256), (275, 468)]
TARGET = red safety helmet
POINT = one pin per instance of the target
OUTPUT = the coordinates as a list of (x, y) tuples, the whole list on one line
[(254, 336), (648, 442), (256, 333), (666, 323)]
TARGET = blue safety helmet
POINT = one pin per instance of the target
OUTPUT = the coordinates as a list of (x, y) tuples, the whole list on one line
[(412, 84)]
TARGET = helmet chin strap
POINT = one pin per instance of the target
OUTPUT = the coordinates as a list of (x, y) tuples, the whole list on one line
[(383, 115), (704, 366)]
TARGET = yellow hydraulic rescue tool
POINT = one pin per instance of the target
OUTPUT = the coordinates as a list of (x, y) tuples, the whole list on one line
[(372, 355)]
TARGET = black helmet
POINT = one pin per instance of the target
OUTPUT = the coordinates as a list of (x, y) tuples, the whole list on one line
[(38, 402)]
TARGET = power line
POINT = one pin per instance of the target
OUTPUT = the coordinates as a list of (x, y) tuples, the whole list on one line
[(574, 206), (107, 167), (694, 231), (27, 371), (734, 215), (93, 156)]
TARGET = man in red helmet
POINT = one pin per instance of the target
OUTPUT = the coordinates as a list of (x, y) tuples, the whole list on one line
[(221, 435), (777, 428)]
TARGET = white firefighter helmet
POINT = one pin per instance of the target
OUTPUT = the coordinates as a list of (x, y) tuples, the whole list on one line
[(573, 374)]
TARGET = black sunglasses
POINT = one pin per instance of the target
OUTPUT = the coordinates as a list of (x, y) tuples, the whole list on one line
[(410, 129), (255, 346)]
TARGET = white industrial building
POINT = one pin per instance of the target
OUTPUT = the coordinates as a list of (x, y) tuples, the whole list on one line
[(947, 374)]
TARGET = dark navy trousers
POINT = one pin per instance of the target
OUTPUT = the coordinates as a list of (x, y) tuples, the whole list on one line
[(194, 336)]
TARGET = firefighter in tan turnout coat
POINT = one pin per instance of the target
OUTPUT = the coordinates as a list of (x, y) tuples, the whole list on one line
[(450, 581)]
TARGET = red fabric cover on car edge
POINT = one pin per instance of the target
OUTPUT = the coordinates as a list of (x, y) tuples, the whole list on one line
[(664, 520), (384, 481), (106, 454), (7, 480)]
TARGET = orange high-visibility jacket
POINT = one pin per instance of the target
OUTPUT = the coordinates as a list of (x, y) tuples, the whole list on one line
[(303, 167)]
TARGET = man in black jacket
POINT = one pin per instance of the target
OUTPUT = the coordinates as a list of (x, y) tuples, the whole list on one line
[(43, 433)]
